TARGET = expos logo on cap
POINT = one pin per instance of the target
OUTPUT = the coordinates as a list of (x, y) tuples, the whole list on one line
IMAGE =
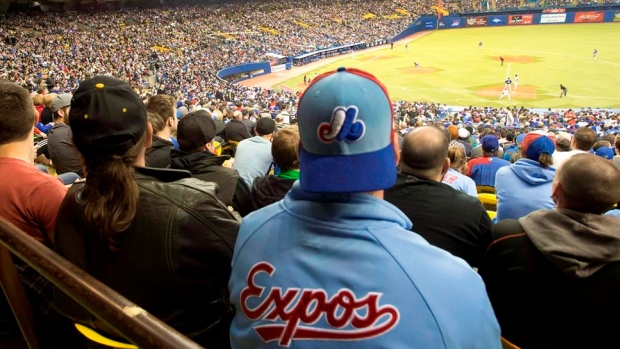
[(343, 125), (346, 128)]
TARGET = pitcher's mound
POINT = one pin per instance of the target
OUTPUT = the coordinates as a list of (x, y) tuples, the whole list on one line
[(420, 70), (515, 59)]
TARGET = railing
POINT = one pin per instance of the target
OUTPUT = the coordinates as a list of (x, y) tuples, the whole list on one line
[(131, 321)]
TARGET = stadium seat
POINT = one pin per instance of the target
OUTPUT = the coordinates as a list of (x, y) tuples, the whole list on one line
[(491, 214), (217, 148), (507, 345), (489, 201), (94, 336), (485, 189), (230, 148)]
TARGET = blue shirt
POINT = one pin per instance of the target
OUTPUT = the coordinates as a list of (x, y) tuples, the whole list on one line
[(253, 159), (343, 271), (460, 182), (482, 170)]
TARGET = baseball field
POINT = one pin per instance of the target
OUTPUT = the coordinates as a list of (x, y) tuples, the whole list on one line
[(453, 69)]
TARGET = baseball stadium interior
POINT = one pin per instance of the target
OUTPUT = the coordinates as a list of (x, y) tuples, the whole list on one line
[(170, 137)]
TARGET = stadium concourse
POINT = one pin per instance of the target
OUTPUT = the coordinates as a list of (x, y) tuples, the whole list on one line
[(170, 57)]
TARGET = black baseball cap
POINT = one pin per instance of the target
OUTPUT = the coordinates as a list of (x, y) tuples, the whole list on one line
[(195, 130), (107, 117)]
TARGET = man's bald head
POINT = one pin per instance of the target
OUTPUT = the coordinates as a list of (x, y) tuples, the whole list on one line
[(588, 184), (424, 152)]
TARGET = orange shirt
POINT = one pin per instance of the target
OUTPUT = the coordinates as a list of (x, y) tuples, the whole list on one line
[(29, 198)]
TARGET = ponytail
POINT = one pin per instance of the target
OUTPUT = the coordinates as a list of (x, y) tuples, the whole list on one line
[(111, 195)]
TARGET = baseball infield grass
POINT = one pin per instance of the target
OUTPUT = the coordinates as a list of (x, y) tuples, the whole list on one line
[(455, 71)]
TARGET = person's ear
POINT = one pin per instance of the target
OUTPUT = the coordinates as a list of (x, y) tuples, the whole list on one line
[(396, 146), (149, 135), (446, 166), (556, 191), (209, 147)]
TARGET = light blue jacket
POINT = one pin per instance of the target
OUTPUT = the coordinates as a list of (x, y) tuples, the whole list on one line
[(253, 159), (460, 182), (344, 271), (522, 188)]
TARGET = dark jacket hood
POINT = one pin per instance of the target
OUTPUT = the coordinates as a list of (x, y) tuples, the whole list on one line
[(195, 162), (577, 243), (269, 189)]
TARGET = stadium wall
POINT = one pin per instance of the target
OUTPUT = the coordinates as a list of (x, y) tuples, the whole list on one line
[(244, 71), (452, 22)]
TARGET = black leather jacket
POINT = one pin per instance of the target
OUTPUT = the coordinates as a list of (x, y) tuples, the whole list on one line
[(175, 257)]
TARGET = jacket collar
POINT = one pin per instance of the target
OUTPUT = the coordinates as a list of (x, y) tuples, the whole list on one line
[(161, 174)]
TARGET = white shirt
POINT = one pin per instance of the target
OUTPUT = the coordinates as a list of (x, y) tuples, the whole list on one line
[(560, 156)]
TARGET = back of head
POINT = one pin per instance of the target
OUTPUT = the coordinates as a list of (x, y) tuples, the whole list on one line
[(38, 99), (265, 126), (584, 138), (237, 115), (539, 147), (490, 145), (589, 184), (424, 152), (195, 130), (454, 132), (17, 113), (109, 125), (345, 123), (458, 158), (285, 148), (601, 143), (562, 144), (160, 108)]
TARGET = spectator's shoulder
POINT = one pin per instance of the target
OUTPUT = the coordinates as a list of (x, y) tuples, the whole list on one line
[(507, 231)]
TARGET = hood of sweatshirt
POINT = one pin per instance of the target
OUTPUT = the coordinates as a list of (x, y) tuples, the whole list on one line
[(532, 172), (577, 243), (195, 162), (268, 189)]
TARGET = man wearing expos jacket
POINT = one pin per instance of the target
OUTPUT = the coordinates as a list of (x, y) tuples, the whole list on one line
[(332, 265)]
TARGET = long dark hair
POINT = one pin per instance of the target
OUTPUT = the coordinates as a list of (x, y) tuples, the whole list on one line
[(111, 194)]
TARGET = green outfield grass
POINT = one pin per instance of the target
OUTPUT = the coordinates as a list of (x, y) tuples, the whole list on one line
[(453, 70)]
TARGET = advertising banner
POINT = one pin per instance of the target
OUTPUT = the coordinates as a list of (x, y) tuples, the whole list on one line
[(617, 16), (429, 24), (520, 19), (454, 22), (553, 18), (476, 21), (277, 68), (589, 16), (497, 20)]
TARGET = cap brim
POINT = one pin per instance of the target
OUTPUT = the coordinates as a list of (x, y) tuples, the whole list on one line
[(348, 174)]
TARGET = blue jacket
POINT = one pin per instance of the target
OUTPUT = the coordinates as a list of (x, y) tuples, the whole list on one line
[(460, 182), (523, 187), (344, 271)]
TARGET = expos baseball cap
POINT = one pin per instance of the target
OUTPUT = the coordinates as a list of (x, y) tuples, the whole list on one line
[(345, 125)]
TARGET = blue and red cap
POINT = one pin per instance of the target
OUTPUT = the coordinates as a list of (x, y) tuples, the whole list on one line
[(346, 128)]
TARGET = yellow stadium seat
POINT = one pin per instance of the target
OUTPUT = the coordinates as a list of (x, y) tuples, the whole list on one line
[(491, 214), (217, 147), (94, 336), (489, 201), (485, 189)]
